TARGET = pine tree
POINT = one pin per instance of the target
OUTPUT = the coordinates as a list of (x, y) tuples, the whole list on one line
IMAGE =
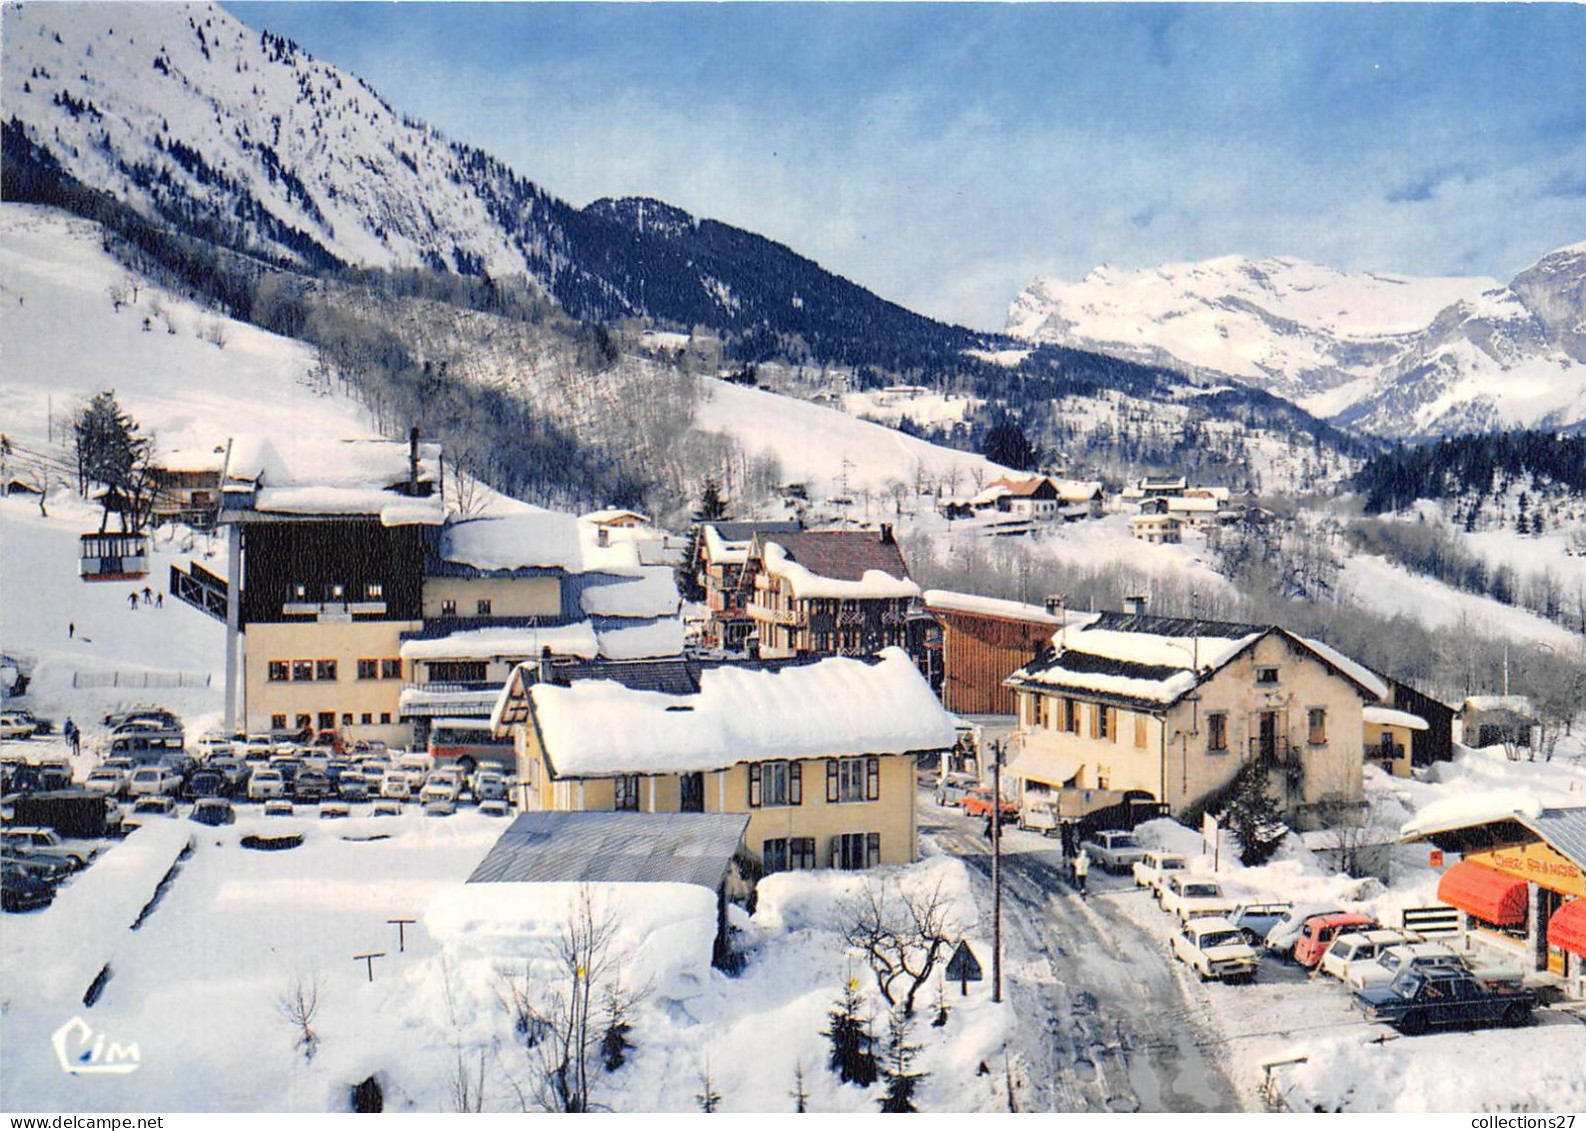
[(614, 1044), (708, 1098), (853, 1055), (711, 505), (1254, 817), (940, 1019), (900, 1054), (800, 1094)]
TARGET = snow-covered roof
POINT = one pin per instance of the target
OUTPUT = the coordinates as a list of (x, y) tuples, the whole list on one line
[(526, 539), (615, 515), (945, 600), (1467, 809), (1354, 670), (1520, 704), (312, 476), (191, 459), (506, 643), (1189, 504), (605, 848), (652, 594), (870, 584), (641, 640), (835, 707), (1388, 717)]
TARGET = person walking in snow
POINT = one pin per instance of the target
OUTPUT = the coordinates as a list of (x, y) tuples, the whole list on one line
[(71, 630), (148, 595), (1081, 870), (132, 600), (159, 599), (73, 736)]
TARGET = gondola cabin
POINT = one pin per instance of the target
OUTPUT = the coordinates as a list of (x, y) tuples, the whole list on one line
[(113, 557)]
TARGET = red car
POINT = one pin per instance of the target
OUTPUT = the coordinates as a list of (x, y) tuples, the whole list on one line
[(977, 803), (1320, 931)]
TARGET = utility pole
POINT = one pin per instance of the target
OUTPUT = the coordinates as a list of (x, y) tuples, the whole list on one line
[(996, 871)]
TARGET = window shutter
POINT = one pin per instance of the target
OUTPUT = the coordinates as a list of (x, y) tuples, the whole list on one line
[(837, 853), (795, 783), (1112, 724), (872, 849), (1095, 723), (754, 785), (872, 779), (831, 781)]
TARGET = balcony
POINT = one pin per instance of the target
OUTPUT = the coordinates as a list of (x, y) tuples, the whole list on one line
[(788, 617), (333, 612)]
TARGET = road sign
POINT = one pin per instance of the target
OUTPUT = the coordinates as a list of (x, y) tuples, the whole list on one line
[(963, 967)]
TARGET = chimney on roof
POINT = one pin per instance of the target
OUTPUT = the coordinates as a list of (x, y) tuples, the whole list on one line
[(886, 534), (413, 461), (1054, 605), (545, 664), (1134, 604)]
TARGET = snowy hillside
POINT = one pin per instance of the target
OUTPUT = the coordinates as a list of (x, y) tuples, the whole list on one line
[(1392, 355)]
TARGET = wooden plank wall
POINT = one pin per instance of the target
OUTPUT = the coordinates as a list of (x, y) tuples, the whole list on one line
[(978, 653)]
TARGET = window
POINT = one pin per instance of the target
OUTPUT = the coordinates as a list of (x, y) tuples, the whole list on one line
[(302, 670), (1139, 731), (625, 792), (1316, 720), (801, 853), (775, 783), (448, 607), (773, 855), (786, 854), (1070, 716), (280, 671), (346, 718), (1217, 732), (277, 722), (853, 779), (299, 591), (1267, 675), (482, 607), (374, 591), (327, 720), (368, 669), (304, 721), (390, 669), (367, 719), (385, 718), (338, 592), (854, 851), (458, 671), (325, 669), (1103, 723)]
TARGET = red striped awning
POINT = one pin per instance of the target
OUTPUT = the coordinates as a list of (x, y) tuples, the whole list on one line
[(1567, 929), (1484, 892)]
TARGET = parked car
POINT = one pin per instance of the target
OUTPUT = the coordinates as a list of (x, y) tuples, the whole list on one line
[(1214, 948), (258, 747), (205, 783), (1363, 947), (1155, 867), (287, 765), (40, 725), (394, 787), (950, 789), (333, 810), (352, 786), (495, 807), (1320, 931), (1395, 960), (310, 786), (440, 808), (154, 805), (264, 785), (234, 770), (37, 864), (110, 782), (441, 785), (1418, 1000), (1283, 934), (20, 891), (46, 842), (214, 744), (1186, 896), (278, 807), (1115, 850), (151, 780), (215, 811), (387, 809), (489, 785), (1254, 920), (14, 725)]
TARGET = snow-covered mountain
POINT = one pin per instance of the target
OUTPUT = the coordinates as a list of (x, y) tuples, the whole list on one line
[(1394, 355)]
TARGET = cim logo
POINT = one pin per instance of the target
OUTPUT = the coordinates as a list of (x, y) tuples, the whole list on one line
[(82, 1052)]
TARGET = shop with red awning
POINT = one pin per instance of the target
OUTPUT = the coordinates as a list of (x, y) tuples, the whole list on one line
[(1486, 893), (1567, 929)]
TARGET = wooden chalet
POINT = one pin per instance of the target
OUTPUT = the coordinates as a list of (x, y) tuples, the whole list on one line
[(984, 640)]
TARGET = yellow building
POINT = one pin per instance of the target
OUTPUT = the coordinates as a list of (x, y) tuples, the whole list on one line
[(819, 755), (1390, 737), (1174, 708)]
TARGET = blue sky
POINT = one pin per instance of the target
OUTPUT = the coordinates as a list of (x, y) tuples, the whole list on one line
[(945, 155)]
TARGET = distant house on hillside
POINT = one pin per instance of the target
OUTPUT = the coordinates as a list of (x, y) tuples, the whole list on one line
[(819, 754), (1496, 720), (827, 592), (187, 487), (1157, 529), (1042, 498), (1174, 708)]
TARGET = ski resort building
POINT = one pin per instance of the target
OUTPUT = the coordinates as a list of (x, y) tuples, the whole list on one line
[(721, 554), (819, 754), (366, 608), (1173, 708), (827, 592)]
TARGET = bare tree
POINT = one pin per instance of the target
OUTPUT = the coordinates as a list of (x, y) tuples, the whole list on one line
[(298, 1005), (903, 934), (465, 1088)]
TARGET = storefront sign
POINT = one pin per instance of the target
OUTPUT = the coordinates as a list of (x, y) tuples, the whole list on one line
[(1536, 863), (1435, 859)]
